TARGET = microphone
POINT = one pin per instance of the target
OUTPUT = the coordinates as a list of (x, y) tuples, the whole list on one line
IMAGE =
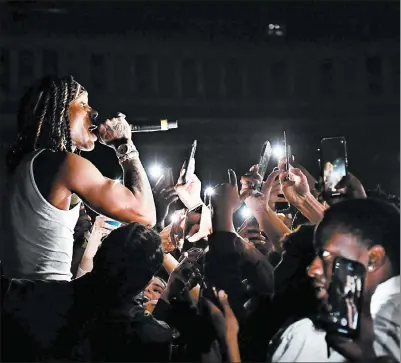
[(162, 125)]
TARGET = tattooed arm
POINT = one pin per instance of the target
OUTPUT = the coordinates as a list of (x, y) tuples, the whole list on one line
[(131, 202)]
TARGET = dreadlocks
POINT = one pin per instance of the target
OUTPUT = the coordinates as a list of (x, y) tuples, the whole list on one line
[(43, 118)]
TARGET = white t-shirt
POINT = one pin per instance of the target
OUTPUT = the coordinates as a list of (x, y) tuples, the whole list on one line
[(301, 342)]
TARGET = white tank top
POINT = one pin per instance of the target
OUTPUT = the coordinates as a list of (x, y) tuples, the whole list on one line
[(38, 243)]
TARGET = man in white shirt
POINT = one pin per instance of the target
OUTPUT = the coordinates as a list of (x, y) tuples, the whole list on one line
[(367, 231)]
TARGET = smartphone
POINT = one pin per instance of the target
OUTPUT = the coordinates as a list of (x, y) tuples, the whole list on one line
[(287, 161), (282, 207), (189, 162), (345, 297), (333, 162), (264, 159)]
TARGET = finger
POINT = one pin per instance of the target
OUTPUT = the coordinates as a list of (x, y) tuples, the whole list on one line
[(283, 176), (254, 169), (281, 163), (253, 236), (343, 182), (169, 193), (280, 200), (194, 229), (172, 199), (159, 182), (232, 178), (182, 172), (272, 176)]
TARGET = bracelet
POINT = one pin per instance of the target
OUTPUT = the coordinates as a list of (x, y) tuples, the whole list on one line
[(131, 155)]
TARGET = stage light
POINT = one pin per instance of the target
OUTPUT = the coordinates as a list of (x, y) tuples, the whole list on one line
[(209, 191), (245, 212), (278, 151), (155, 171)]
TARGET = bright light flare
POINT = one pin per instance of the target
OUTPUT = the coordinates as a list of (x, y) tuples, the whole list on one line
[(209, 191), (174, 218), (278, 151), (117, 180), (155, 171), (245, 212)]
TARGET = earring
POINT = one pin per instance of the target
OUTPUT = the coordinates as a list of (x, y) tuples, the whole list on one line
[(371, 268)]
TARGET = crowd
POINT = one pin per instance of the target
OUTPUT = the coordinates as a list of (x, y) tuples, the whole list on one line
[(162, 274)]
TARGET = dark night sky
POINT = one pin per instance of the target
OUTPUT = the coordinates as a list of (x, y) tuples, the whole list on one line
[(375, 151)]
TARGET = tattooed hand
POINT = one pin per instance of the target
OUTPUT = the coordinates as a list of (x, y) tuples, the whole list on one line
[(115, 131)]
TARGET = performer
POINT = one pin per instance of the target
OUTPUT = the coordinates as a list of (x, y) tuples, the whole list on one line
[(55, 121)]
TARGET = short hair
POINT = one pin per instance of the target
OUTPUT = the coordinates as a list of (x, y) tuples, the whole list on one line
[(379, 193), (128, 258), (43, 118), (371, 221)]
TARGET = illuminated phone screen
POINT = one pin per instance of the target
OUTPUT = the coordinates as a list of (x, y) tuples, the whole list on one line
[(333, 161), (345, 296)]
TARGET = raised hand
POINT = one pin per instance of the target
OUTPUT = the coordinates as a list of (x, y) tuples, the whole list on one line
[(114, 131), (225, 198), (189, 193), (225, 201), (164, 197), (258, 202), (225, 323), (296, 188)]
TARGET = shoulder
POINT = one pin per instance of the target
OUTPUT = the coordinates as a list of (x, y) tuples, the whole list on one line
[(300, 341), (151, 328)]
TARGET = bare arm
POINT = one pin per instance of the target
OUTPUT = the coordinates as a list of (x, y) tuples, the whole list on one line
[(105, 196)]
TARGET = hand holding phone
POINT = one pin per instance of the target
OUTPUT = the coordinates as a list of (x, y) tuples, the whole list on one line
[(282, 207), (264, 159), (333, 163), (190, 163), (345, 295)]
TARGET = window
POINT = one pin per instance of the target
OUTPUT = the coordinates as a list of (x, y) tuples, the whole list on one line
[(49, 62), (374, 75), (26, 65)]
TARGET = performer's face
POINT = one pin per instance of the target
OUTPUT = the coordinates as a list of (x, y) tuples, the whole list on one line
[(80, 122)]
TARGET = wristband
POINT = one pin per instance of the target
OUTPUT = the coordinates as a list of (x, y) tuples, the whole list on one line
[(131, 155)]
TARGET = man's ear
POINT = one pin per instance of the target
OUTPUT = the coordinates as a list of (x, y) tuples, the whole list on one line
[(377, 258)]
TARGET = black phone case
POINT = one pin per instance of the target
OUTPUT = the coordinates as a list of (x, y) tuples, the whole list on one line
[(345, 297)]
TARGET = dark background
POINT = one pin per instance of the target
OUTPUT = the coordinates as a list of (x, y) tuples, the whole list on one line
[(231, 129)]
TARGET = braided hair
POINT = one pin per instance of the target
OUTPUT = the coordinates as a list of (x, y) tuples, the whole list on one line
[(43, 118)]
